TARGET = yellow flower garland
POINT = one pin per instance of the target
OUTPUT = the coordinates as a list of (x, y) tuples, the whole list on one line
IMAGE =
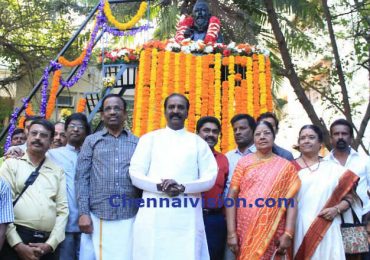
[(249, 86), (217, 87), (139, 94), (198, 87), (124, 26), (165, 93), (153, 79), (262, 83), (177, 72)]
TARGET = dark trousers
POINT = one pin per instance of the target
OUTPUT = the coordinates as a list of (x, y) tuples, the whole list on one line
[(70, 247), (215, 226), (8, 253)]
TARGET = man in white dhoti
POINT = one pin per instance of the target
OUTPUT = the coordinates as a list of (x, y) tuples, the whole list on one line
[(101, 175), (172, 162)]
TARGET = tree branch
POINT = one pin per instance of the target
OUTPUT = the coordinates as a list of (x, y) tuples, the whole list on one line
[(338, 64), (291, 73)]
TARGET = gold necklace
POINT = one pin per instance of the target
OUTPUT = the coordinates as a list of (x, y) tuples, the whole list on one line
[(312, 170)]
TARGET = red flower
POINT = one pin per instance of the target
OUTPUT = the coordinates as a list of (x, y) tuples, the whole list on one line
[(226, 52)]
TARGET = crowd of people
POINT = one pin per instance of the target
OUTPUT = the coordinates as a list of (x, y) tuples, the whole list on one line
[(67, 193)]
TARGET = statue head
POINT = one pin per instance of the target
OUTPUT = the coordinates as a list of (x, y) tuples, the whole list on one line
[(201, 15)]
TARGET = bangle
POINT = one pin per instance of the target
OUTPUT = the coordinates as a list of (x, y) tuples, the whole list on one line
[(338, 210), (290, 235)]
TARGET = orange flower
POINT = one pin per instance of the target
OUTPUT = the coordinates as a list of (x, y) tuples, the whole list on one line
[(238, 77), (21, 122), (29, 110), (81, 105), (53, 94), (76, 62)]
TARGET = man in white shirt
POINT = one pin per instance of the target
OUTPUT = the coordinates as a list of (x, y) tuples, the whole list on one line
[(175, 165), (341, 133)]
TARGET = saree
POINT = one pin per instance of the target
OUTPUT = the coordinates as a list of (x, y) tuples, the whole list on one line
[(258, 228), (316, 237)]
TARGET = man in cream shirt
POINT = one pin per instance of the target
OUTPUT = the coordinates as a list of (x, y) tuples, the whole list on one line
[(41, 212)]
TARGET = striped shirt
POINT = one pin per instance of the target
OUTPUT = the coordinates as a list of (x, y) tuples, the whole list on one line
[(6, 204), (102, 172)]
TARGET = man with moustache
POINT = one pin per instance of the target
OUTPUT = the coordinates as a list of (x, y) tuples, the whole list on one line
[(103, 172), (243, 128), (201, 15), (76, 129), (60, 138), (172, 162), (208, 128), (41, 212), (341, 135)]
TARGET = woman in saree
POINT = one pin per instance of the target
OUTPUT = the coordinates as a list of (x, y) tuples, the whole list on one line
[(260, 232), (324, 194)]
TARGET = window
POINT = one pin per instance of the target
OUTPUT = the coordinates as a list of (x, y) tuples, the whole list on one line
[(65, 101)]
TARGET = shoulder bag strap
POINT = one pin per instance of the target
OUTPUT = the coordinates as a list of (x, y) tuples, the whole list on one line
[(30, 180)]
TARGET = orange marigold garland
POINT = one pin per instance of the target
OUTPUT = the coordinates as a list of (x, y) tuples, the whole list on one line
[(225, 116), (76, 62), (231, 111), (21, 122), (205, 80), (29, 109), (81, 105), (53, 94)]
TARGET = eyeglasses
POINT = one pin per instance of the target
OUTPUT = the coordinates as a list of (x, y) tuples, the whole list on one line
[(115, 109), (42, 134), (79, 127)]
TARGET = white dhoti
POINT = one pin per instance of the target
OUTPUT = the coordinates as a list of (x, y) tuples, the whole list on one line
[(112, 239), (86, 247)]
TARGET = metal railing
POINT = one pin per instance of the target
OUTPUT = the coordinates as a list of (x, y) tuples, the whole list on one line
[(61, 53)]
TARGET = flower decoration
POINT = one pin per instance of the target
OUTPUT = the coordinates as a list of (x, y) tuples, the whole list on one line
[(109, 82), (64, 113)]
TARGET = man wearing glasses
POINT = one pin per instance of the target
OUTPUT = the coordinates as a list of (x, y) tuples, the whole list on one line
[(41, 210), (102, 172), (76, 128)]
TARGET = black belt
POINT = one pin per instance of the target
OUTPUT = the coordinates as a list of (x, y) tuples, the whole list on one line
[(212, 211), (33, 232)]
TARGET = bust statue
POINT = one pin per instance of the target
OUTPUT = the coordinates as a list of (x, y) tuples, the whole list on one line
[(200, 26)]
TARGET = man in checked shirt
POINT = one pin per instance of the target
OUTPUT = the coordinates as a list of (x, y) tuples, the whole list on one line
[(6, 210), (102, 172)]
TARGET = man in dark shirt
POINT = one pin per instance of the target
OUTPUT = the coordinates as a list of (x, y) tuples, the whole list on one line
[(208, 128), (102, 174)]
